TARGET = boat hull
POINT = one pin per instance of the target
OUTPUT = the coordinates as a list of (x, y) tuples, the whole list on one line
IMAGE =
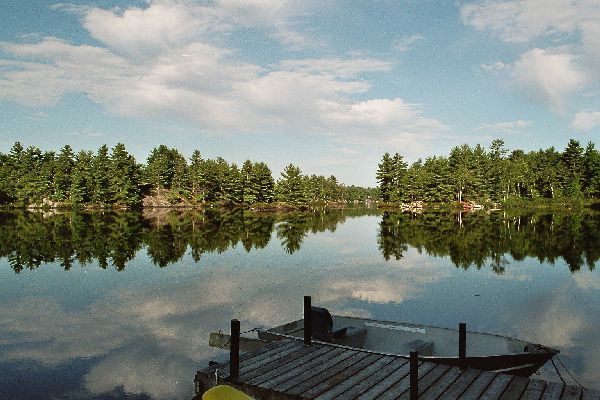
[(440, 345)]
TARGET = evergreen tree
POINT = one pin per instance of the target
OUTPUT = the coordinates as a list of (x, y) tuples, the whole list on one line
[(385, 177), (101, 167), (63, 174), (572, 160), (82, 183), (124, 178), (399, 172), (292, 188), (592, 171), (263, 180)]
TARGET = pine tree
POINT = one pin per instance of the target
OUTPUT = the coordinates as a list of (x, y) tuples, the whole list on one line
[(263, 179), (124, 178), (82, 184), (101, 166), (385, 177), (63, 174), (292, 188), (399, 171)]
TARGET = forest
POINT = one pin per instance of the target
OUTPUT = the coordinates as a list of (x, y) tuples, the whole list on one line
[(495, 176), (114, 179)]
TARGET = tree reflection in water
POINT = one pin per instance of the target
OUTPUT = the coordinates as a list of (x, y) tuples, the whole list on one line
[(478, 239), (29, 239)]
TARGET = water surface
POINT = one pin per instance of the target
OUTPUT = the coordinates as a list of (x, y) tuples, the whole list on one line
[(121, 305)]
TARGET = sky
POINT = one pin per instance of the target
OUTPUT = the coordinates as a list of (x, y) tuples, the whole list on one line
[(327, 85)]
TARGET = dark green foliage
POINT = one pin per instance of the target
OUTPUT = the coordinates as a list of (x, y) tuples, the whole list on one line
[(293, 187), (474, 175), (124, 178)]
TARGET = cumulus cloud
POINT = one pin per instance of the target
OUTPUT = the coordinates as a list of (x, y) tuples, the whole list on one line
[(549, 77), (546, 75), (170, 59), (586, 120)]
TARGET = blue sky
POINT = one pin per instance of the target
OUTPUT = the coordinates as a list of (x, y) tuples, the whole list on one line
[(327, 85)]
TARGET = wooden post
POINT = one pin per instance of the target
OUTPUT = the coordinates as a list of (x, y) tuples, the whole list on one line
[(414, 375), (234, 350), (462, 345), (307, 321)]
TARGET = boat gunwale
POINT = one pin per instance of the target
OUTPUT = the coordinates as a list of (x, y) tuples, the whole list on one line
[(549, 350)]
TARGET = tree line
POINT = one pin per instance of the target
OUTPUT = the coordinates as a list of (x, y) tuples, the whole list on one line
[(493, 176), (113, 178)]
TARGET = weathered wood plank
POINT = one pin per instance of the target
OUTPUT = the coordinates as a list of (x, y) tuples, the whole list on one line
[(571, 392), (326, 374), (384, 384), (262, 374), (255, 356), (534, 390), (553, 391), (314, 370), (461, 384), (428, 380), (342, 376), (356, 377), (479, 385), (591, 394), (441, 384), (293, 373), (264, 359), (374, 378), (515, 388), (403, 385), (495, 389)]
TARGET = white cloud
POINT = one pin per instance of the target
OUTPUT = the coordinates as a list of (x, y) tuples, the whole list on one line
[(524, 20), (547, 76), (586, 120), (405, 43), (506, 127), (497, 66), (169, 60)]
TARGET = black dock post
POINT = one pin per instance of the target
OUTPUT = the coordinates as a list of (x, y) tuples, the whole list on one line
[(307, 321), (462, 345), (414, 375), (234, 350)]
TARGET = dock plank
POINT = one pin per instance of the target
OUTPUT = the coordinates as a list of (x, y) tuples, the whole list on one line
[(259, 375), (373, 379), (326, 374), (429, 379), (461, 384), (337, 388), (434, 391), (478, 386), (496, 388), (590, 394), (249, 358), (534, 390), (553, 391), (403, 385), (571, 393), (293, 373), (341, 376), (314, 370), (515, 388), (378, 388)]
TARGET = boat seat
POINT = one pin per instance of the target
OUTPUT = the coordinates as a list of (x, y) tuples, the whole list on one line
[(322, 329), (424, 348)]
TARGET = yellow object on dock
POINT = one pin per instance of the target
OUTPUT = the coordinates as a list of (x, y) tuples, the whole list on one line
[(224, 392)]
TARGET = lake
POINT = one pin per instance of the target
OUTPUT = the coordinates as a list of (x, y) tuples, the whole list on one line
[(120, 305)]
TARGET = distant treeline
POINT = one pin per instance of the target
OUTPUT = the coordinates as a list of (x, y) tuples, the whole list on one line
[(113, 178), (496, 175)]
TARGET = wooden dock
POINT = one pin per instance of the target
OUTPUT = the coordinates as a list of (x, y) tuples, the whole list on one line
[(290, 370)]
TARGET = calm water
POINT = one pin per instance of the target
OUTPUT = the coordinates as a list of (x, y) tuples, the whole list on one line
[(121, 305)]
